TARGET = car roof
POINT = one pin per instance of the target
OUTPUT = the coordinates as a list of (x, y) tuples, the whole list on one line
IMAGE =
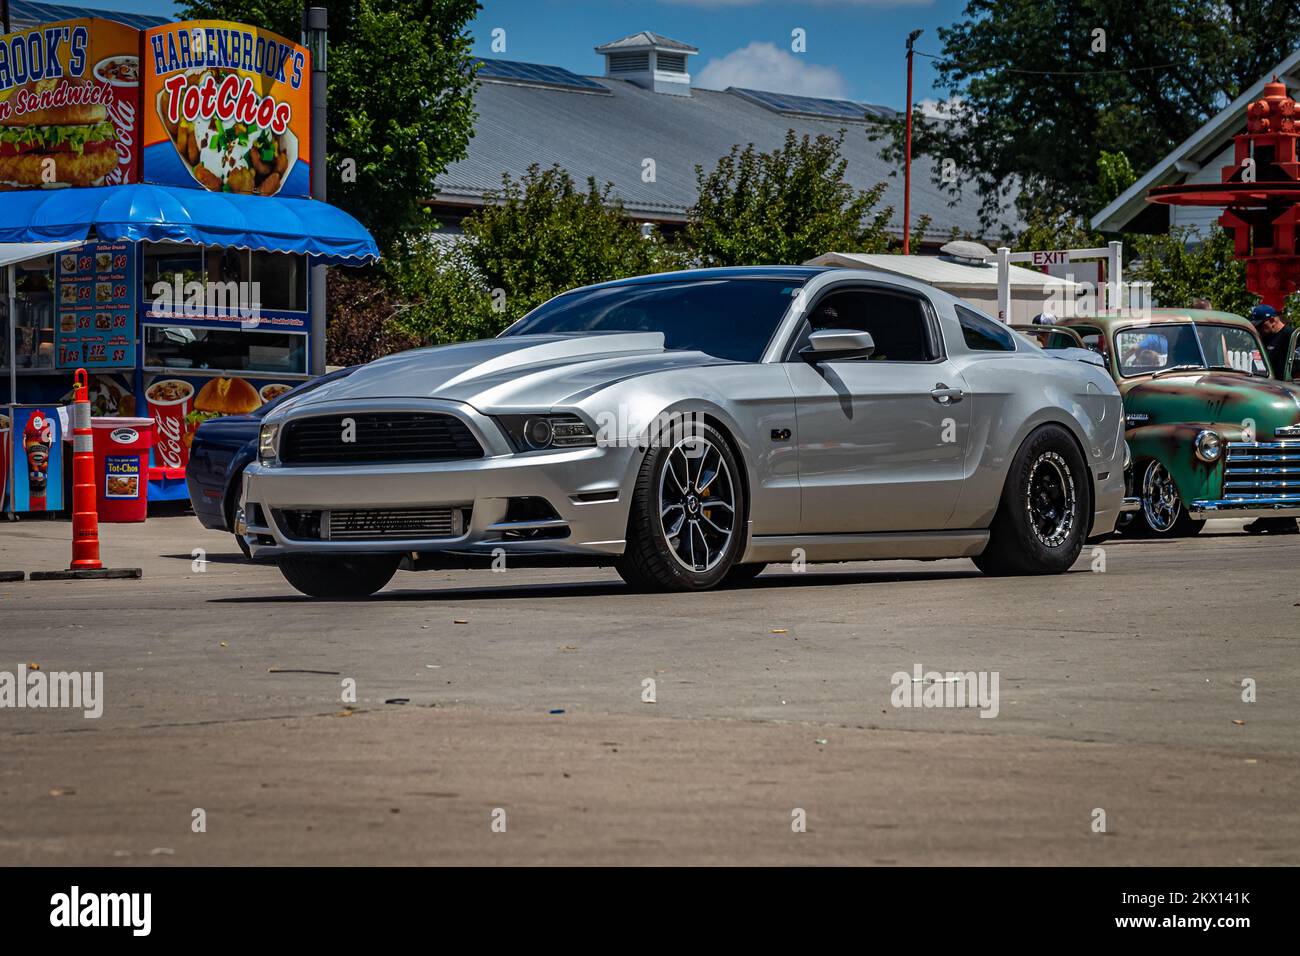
[(800, 273), (1163, 316)]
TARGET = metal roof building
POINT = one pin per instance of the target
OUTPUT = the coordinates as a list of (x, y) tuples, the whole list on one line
[(29, 13), (645, 109)]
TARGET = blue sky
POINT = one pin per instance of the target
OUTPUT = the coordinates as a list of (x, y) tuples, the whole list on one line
[(854, 47)]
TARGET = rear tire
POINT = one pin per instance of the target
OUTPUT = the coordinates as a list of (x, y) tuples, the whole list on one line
[(686, 525), (341, 576), (1045, 511)]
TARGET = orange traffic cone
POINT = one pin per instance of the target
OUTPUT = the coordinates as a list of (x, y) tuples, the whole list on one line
[(85, 517), (85, 513)]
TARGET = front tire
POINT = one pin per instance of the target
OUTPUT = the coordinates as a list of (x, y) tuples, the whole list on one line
[(1163, 514), (686, 525), (1045, 510), (339, 576)]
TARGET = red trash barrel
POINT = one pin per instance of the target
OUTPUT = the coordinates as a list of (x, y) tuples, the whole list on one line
[(122, 467)]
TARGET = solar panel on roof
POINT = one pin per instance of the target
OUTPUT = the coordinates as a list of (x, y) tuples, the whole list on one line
[(811, 105), (28, 13), (537, 74)]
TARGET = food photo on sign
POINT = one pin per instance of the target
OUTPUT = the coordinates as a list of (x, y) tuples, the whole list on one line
[(179, 406), (226, 107), (67, 116)]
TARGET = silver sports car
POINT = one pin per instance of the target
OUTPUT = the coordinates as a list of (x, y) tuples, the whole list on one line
[(690, 428)]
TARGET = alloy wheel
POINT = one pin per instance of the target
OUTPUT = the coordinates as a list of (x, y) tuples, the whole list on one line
[(1051, 501), (697, 504), (1161, 505)]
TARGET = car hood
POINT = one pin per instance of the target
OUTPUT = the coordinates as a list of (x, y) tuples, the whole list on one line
[(1212, 397), (519, 372)]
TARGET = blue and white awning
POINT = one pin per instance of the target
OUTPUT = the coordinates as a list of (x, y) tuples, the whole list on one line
[(148, 213)]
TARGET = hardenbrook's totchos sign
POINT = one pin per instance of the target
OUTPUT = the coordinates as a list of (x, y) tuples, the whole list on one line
[(208, 104), (227, 107)]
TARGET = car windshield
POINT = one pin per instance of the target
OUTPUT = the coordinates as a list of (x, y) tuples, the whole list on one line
[(728, 318), (1156, 348)]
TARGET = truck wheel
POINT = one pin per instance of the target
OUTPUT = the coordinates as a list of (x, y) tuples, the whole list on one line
[(1163, 514), (341, 576), (1045, 511), (686, 525)]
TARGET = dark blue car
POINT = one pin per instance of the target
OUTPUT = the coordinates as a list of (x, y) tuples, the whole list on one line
[(219, 452)]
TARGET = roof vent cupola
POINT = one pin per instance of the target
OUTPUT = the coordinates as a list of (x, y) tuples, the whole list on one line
[(651, 61)]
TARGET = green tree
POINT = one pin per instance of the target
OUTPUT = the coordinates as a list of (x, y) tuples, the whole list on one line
[(1037, 94), (538, 236), (1181, 270), (786, 206), (400, 99)]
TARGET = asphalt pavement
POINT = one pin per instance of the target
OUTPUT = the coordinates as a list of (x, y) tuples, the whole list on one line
[(1144, 712)]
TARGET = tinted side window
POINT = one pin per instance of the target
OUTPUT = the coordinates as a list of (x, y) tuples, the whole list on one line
[(897, 322), (982, 334)]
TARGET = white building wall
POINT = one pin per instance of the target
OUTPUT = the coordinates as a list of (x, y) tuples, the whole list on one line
[(1201, 218)]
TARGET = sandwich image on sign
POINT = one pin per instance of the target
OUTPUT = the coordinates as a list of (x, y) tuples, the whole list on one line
[(218, 397), (59, 146)]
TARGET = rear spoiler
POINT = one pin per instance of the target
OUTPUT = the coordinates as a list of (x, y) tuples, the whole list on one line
[(1043, 334), (1078, 355)]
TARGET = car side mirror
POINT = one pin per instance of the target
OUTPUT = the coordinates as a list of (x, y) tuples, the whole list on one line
[(828, 345)]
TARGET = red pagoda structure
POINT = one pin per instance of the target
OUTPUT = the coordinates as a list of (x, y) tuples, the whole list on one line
[(1259, 195)]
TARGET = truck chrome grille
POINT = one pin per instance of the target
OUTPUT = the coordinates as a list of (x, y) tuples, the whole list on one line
[(373, 524), (1265, 469), (378, 438)]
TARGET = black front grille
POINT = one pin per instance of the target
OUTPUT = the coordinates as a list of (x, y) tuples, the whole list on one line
[(377, 437), (374, 524)]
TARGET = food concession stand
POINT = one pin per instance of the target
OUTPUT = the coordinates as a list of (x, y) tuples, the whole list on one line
[(157, 224)]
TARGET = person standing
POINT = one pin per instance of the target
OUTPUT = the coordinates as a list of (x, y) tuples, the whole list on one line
[(1276, 336)]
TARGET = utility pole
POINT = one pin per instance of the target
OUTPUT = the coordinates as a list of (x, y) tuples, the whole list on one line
[(315, 37), (907, 160)]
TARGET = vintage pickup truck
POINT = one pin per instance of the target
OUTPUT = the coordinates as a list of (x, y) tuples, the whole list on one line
[(1213, 430)]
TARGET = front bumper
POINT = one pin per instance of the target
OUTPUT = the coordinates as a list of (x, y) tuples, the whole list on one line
[(1281, 506), (589, 489)]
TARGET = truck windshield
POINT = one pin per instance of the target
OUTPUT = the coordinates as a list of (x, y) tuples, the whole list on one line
[(1156, 348)]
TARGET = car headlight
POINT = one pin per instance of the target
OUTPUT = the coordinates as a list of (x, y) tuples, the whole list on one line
[(266, 443), (542, 431), (1208, 446)]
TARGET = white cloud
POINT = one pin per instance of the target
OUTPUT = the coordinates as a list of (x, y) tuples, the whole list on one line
[(762, 66), (940, 109)]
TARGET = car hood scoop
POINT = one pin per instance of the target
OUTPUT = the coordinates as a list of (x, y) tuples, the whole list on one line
[(516, 372)]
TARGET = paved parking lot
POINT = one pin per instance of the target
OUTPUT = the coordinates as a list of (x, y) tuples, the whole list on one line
[(518, 696)]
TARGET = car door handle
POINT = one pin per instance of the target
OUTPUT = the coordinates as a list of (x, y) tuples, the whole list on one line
[(944, 395)]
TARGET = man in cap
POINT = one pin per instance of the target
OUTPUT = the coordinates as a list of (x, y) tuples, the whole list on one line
[(1275, 334)]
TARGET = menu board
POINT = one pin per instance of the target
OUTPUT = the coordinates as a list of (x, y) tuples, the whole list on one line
[(95, 305)]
